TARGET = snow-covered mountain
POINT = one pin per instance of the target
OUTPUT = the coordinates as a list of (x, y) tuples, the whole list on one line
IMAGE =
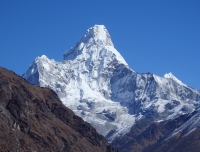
[(95, 82)]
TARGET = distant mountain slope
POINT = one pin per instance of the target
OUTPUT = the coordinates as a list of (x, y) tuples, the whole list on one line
[(34, 119), (167, 136), (95, 82)]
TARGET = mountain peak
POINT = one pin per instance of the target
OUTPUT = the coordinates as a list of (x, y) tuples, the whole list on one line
[(99, 34), (95, 44), (171, 76)]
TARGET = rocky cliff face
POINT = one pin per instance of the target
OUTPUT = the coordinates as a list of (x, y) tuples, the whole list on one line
[(34, 119), (98, 85)]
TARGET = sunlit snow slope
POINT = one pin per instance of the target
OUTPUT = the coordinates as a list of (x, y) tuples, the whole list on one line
[(97, 84)]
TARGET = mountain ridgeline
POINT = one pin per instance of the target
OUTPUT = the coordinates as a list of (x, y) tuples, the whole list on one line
[(34, 119), (95, 82)]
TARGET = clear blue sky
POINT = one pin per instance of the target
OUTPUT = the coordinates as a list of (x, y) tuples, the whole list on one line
[(157, 36)]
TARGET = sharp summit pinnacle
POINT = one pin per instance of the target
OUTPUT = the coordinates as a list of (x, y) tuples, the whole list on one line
[(98, 34)]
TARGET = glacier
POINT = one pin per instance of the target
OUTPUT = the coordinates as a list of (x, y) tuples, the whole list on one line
[(95, 82)]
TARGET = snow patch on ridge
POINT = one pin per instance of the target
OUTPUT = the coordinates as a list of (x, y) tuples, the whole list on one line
[(171, 76), (189, 126)]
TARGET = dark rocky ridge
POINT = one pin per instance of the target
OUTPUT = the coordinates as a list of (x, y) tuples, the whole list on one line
[(34, 119)]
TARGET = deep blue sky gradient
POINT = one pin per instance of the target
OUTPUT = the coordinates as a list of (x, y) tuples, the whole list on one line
[(152, 35)]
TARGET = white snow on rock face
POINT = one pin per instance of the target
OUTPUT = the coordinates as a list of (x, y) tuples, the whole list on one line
[(97, 84), (171, 76), (189, 126), (96, 43)]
